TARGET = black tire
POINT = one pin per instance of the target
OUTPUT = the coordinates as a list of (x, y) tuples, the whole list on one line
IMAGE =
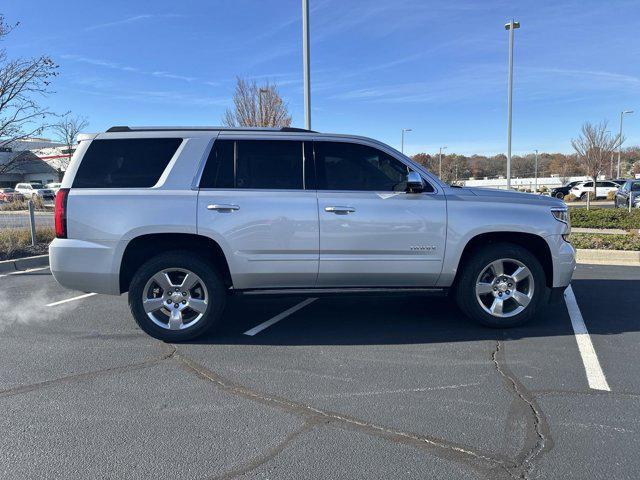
[(560, 195), (465, 288), (180, 260)]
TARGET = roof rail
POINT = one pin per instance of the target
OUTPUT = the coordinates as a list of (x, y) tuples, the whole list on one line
[(124, 128)]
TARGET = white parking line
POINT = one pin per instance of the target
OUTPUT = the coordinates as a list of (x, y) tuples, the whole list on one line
[(280, 316), (595, 375), (79, 297), (24, 271)]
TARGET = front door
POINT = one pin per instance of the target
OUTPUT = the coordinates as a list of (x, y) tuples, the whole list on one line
[(372, 233), (255, 201)]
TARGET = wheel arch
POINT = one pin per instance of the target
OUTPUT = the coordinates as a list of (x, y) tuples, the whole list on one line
[(535, 244), (142, 248)]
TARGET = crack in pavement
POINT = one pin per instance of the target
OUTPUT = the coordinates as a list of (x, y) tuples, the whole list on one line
[(540, 436), (484, 462), (269, 454), (9, 392)]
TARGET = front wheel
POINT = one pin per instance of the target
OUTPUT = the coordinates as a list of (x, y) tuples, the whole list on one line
[(560, 195), (176, 296), (501, 285)]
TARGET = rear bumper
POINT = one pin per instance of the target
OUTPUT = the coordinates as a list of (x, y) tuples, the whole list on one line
[(84, 266)]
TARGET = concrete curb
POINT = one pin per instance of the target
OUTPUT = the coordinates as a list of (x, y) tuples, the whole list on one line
[(602, 231), (19, 264), (608, 257)]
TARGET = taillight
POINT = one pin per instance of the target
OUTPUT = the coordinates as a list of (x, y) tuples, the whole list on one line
[(60, 213)]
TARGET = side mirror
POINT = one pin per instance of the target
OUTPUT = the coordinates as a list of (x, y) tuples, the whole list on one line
[(414, 183)]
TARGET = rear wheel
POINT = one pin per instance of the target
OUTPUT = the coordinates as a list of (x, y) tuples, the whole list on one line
[(560, 195), (176, 296), (501, 285)]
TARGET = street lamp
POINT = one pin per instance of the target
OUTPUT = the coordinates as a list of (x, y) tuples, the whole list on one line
[(620, 138), (402, 142), (306, 64), (440, 161), (535, 188), (511, 26), (260, 114)]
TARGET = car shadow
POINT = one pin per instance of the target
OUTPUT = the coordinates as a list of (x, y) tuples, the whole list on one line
[(607, 307)]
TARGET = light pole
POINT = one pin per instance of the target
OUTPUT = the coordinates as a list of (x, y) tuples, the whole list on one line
[(622, 113), (402, 141), (535, 187), (306, 64), (260, 114), (511, 26), (440, 162)]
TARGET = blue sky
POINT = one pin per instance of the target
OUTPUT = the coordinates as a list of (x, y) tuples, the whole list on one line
[(438, 67)]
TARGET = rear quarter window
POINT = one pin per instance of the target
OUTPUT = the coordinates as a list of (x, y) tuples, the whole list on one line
[(125, 163)]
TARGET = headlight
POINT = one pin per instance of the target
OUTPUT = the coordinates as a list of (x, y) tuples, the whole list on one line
[(562, 215)]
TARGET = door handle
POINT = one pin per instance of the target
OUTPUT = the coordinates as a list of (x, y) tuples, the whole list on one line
[(221, 207), (339, 210)]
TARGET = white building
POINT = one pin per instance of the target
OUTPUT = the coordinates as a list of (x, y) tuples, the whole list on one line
[(40, 160)]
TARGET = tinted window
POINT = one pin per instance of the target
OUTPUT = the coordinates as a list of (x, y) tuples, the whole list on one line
[(218, 172), (259, 164), (348, 166), (588, 184), (635, 186), (125, 163)]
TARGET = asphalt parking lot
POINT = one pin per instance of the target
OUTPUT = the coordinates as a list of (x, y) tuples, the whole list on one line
[(358, 387)]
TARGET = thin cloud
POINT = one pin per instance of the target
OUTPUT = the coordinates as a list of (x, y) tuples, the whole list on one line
[(132, 19)]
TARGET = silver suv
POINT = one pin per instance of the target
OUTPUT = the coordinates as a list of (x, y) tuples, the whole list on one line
[(182, 217)]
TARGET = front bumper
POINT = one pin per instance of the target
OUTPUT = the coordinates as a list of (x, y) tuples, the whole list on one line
[(563, 256)]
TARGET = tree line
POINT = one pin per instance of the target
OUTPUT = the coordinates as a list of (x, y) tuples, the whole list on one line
[(457, 167)]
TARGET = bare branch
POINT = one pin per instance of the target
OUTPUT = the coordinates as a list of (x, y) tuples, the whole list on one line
[(257, 107)]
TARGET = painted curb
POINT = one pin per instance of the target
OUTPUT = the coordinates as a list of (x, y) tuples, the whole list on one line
[(19, 264), (608, 257)]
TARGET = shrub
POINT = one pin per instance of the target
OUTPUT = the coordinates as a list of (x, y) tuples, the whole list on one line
[(570, 198), (605, 242), (16, 205), (605, 218), (15, 240), (543, 189), (611, 195)]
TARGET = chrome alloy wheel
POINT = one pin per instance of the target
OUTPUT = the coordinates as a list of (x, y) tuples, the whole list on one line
[(175, 298), (504, 288)]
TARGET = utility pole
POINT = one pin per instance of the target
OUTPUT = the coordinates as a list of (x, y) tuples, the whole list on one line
[(440, 162), (306, 64), (535, 188), (402, 141), (511, 26), (620, 139)]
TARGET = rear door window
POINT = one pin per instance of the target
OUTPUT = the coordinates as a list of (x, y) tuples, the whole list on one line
[(125, 163), (255, 164)]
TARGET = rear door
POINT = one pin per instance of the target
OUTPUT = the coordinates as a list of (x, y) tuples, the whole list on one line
[(372, 233), (257, 199)]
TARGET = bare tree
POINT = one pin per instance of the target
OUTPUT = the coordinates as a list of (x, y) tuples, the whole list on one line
[(256, 106), (23, 82), (66, 130), (594, 146)]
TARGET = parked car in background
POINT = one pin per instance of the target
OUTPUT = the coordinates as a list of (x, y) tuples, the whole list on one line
[(35, 190), (603, 187), (204, 213), (560, 192), (629, 192), (53, 186), (10, 195)]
